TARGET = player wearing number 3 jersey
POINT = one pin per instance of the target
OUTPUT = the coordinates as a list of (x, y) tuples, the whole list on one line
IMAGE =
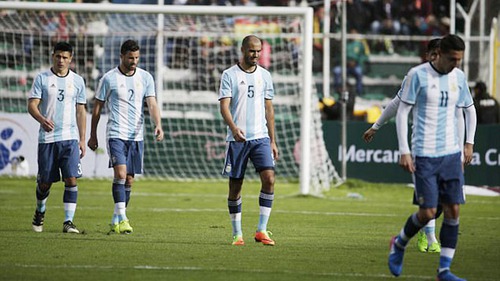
[(57, 101)]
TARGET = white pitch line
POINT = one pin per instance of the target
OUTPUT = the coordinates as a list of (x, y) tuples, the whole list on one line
[(224, 210), (217, 269)]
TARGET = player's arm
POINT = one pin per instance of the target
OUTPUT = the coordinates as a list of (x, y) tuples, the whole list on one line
[(388, 113), (33, 103), (270, 127), (406, 160), (470, 124), (96, 115), (81, 121), (225, 111), (155, 114)]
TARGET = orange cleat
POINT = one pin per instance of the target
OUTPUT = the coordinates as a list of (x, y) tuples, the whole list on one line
[(263, 236)]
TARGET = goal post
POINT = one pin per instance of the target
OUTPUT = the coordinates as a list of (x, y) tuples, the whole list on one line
[(185, 48)]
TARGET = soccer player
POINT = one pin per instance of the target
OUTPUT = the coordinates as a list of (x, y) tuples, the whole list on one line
[(124, 90), (245, 96), (426, 239), (57, 101), (434, 90)]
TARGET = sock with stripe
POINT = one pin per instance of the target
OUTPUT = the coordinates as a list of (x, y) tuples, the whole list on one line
[(265, 206), (234, 207), (69, 199)]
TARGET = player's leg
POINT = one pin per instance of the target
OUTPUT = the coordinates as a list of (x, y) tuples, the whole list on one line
[(430, 233), (263, 161), (134, 166), (69, 164), (426, 193), (421, 237), (449, 239), (48, 172), (118, 151), (236, 171), (451, 197), (234, 206)]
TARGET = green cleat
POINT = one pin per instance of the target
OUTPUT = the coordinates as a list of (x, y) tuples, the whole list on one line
[(238, 240), (434, 248), (125, 227), (422, 242), (114, 228)]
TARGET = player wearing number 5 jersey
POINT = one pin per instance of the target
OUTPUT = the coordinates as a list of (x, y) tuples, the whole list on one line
[(245, 96), (124, 89), (57, 101)]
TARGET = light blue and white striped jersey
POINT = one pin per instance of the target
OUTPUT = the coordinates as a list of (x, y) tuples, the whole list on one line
[(435, 98), (124, 96), (248, 92), (59, 96)]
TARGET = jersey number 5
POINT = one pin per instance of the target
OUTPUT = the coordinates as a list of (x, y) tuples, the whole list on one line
[(250, 91)]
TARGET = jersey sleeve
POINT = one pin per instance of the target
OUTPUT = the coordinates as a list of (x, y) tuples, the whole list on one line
[(269, 87), (102, 89), (81, 97), (150, 85), (37, 88), (409, 88), (225, 86), (465, 97)]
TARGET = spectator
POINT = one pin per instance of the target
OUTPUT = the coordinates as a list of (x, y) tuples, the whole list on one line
[(387, 13), (487, 108), (357, 52)]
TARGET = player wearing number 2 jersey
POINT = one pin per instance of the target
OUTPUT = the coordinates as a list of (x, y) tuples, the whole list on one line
[(125, 89)]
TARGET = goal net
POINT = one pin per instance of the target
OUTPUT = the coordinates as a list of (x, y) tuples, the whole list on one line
[(185, 49)]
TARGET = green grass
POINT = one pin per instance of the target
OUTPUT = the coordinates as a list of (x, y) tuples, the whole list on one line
[(182, 232)]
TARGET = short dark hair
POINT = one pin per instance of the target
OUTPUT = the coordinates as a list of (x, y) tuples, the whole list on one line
[(433, 44), (129, 46), (64, 47), (246, 40), (451, 42)]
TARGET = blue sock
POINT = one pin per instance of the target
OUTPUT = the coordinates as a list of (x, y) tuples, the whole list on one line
[(265, 206), (69, 199), (118, 197), (449, 239), (412, 226)]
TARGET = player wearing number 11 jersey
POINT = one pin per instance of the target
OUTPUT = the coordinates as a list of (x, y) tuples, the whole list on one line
[(57, 101)]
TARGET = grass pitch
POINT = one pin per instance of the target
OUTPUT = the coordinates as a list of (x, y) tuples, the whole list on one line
[(182, 232)]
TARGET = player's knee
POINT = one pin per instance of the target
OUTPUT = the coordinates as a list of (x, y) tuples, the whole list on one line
[(70, 181), (44, 186)]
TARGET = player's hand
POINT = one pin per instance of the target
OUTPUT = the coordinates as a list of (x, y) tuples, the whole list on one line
[(406, 162), (82, 149), (159, 133), (275, 151), (468, 152), (92, 143), (48, 125), (369, 134), (239, 135)]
